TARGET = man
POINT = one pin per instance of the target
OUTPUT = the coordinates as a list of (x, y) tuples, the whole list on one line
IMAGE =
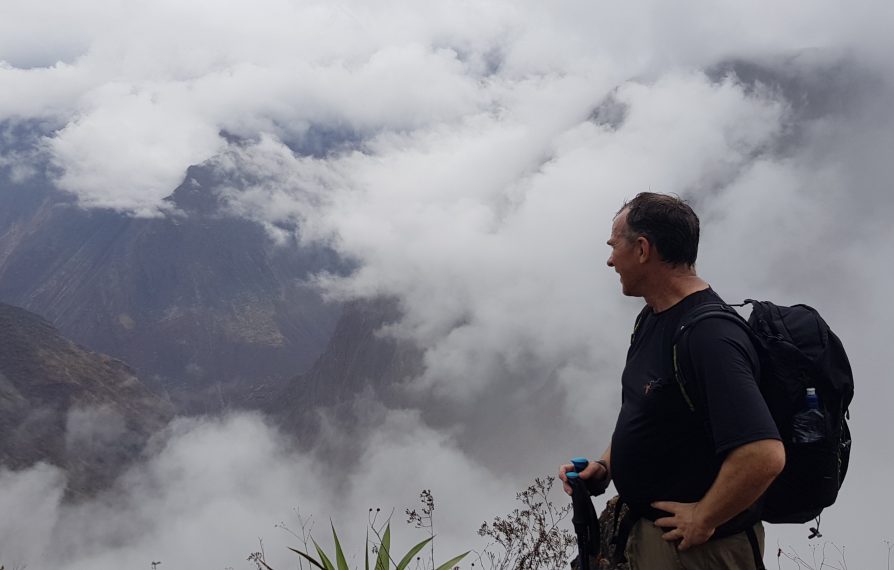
[(694, 474)]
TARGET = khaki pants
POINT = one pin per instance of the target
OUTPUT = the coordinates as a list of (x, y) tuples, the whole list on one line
[(646, 550)]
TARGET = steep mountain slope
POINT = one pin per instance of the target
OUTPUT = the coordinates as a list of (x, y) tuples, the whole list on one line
[(358, 358), (198, 302), (62, 404)]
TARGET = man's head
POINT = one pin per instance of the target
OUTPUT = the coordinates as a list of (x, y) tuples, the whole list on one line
[(652, 234)]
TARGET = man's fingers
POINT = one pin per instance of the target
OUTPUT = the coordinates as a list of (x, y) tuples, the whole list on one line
[(565, 468), (591, 470), (666, 506), (671, 535), (677, 534), (666, 522)]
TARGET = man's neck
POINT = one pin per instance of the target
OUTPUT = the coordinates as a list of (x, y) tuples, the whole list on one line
[(672, 289)]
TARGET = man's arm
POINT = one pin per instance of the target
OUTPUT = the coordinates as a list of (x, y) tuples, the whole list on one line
[(595, 471), (744, 476)]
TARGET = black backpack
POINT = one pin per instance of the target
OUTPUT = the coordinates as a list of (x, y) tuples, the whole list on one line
[(797, 351)]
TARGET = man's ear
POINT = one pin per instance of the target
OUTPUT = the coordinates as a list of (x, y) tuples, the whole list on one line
[(643, 249)]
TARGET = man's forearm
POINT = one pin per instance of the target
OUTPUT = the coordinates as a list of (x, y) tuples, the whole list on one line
[(744, 476), (607, 457)]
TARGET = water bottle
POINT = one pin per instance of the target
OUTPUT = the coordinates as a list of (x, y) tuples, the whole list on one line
[(808, 425)]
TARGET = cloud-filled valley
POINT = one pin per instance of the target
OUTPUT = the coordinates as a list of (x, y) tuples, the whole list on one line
[(465, 160)]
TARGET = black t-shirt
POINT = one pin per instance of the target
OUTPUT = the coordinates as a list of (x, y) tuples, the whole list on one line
[(661, 449)]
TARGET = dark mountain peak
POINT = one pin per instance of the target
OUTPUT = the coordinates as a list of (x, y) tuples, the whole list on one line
[(198, 302), (197, 195)]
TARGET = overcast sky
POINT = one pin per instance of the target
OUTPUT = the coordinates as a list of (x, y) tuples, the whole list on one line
[(468, 156)]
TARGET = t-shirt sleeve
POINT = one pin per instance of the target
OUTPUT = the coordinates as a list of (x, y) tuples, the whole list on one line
[(725, 366)]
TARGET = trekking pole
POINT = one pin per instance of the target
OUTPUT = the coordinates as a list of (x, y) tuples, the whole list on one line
[(584, 519)]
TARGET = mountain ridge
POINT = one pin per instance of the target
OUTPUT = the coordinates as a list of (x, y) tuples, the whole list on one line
[(198, 302), (60, 403)]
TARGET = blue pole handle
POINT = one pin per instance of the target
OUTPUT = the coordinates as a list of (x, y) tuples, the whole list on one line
[(580, 463)]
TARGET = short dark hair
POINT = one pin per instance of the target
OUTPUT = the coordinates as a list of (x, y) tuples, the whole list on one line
[(667, 222)]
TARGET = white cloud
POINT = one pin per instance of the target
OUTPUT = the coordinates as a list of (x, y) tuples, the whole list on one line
[(212, 487), (448, 222), (31, 501), (130, 149), (168, 77)]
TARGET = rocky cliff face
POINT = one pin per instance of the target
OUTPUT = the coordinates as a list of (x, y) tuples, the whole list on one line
[(201, 304), (60, 403)]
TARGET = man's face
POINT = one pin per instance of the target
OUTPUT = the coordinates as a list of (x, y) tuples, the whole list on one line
[(625, 256)]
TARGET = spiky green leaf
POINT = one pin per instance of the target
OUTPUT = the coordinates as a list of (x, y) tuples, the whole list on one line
[(308, 557), (452, 562), (339, 553), (405, 561), (382, 559), (327, 564)]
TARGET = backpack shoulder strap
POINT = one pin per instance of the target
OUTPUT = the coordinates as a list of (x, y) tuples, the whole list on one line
[(680, 345), (639, 320), (708, 311)]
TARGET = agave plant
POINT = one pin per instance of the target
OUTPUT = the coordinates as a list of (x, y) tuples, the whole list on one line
[(383, 558)]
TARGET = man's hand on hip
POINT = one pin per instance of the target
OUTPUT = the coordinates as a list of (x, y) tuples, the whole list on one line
[(685, 525), (744, 475)]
